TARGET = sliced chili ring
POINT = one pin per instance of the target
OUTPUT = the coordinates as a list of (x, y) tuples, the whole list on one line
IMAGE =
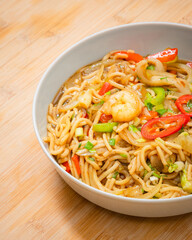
[(66, 164), (189, 64), (155, 128), (105, 118), (168, 55), (184, 100), (105, 88), (131, 56)]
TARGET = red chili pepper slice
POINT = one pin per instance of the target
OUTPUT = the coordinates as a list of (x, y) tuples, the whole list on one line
[(189, 64), (105, 118), (105, 88), (134, 57), (122, 52), (75, 159), (173, 71), (167, 55), (66, 164), (131, 56), (85, 115), (184, 100), (155, 128)]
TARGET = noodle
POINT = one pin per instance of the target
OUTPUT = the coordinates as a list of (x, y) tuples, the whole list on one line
[(122, 160)]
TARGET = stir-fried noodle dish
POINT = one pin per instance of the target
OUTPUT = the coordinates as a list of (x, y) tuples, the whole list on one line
[(123, 125)]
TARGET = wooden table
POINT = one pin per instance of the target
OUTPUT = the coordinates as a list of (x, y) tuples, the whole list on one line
[(35, 202)]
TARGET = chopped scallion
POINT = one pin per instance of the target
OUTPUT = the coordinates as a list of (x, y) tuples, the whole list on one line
[(189, 104), (88, 145), (79, 132), (104, 127), (108, 93), (79, 145), (151, 67), (91, 158), (149, 106), (92, 151), (163, 78), (169, 110), (133, 128), (112, 141), (145, 172), (172, 167), (140, 140), (123, 155), (100, 103), (72, 116), (182, 129), (115, 175), (156, 175), (161, 111), (152, 168), (158, 195)]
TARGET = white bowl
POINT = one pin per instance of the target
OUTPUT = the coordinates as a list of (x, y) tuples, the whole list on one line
[(144, 38)]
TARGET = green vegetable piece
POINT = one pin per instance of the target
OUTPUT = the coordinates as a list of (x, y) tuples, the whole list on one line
[(163, 78), (79, 145), (156, 175), (161, 111), (149, 106), (142, 190), (158, 99), (141, 140), (189, 104), (182, 129), (185, 183), (169, 110), (157, 195), (104, 127), (151, 67), (88, 145), (72, 116), (172, 167), (79, 132), (115, 175), (163, 175), (152, 168), (145, 172), (92, 151), (123, 155), (112, 141), (100, 103), (159, 106), (91, 158), (133, 128), (108, 93)]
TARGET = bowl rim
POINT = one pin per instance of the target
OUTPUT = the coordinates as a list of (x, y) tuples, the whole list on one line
[(34, 117)]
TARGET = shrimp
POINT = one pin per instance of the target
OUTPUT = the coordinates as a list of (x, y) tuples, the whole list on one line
[(124, 106)]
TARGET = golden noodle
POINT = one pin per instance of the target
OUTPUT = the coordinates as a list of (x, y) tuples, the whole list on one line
[(122, 161)]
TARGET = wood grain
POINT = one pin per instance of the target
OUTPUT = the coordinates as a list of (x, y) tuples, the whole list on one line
[(35, 202)]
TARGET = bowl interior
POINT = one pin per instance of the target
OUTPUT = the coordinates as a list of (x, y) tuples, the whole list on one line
[(144, 38)]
